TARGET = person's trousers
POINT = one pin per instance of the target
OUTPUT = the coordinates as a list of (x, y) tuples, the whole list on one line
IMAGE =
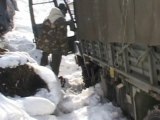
[(44, 59), (56, 61)]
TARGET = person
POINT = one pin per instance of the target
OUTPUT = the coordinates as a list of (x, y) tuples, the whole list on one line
[(54, 38), (7, 12)]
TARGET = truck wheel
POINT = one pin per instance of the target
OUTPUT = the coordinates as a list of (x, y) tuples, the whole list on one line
[(86, 78), (153, 115)]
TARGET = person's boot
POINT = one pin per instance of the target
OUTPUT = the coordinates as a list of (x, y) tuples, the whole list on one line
[(62, 81)]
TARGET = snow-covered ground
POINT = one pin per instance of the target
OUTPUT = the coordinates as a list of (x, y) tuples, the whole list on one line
[(70, 103)]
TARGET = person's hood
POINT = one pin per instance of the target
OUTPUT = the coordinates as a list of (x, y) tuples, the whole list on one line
[(55, 14)]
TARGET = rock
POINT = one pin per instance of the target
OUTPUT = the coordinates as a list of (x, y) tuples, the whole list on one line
[(17, 77), (21, 81)]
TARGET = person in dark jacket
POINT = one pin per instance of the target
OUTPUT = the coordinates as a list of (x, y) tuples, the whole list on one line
[(7, 12), (54, 38)]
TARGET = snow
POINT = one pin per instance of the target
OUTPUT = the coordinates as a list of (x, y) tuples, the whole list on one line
[(69, 103), (13, 59), (10, 110), (49, 77), (37, 105), (87, 97)]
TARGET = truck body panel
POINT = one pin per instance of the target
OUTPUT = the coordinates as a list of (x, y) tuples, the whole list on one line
[(121, 38)]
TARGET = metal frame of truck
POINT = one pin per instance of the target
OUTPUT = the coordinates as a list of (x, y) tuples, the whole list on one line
[(37, 28)]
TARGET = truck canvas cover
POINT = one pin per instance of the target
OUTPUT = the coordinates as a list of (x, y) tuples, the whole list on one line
[(123, 21)]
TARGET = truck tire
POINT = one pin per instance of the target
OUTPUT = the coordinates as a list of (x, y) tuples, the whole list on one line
[(86, 76), (153, 115)]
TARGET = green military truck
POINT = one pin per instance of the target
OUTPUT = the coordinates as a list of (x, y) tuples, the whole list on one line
[(119, 46)]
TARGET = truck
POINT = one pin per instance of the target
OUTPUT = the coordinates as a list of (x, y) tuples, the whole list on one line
[(117, 44), (119, 47)]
